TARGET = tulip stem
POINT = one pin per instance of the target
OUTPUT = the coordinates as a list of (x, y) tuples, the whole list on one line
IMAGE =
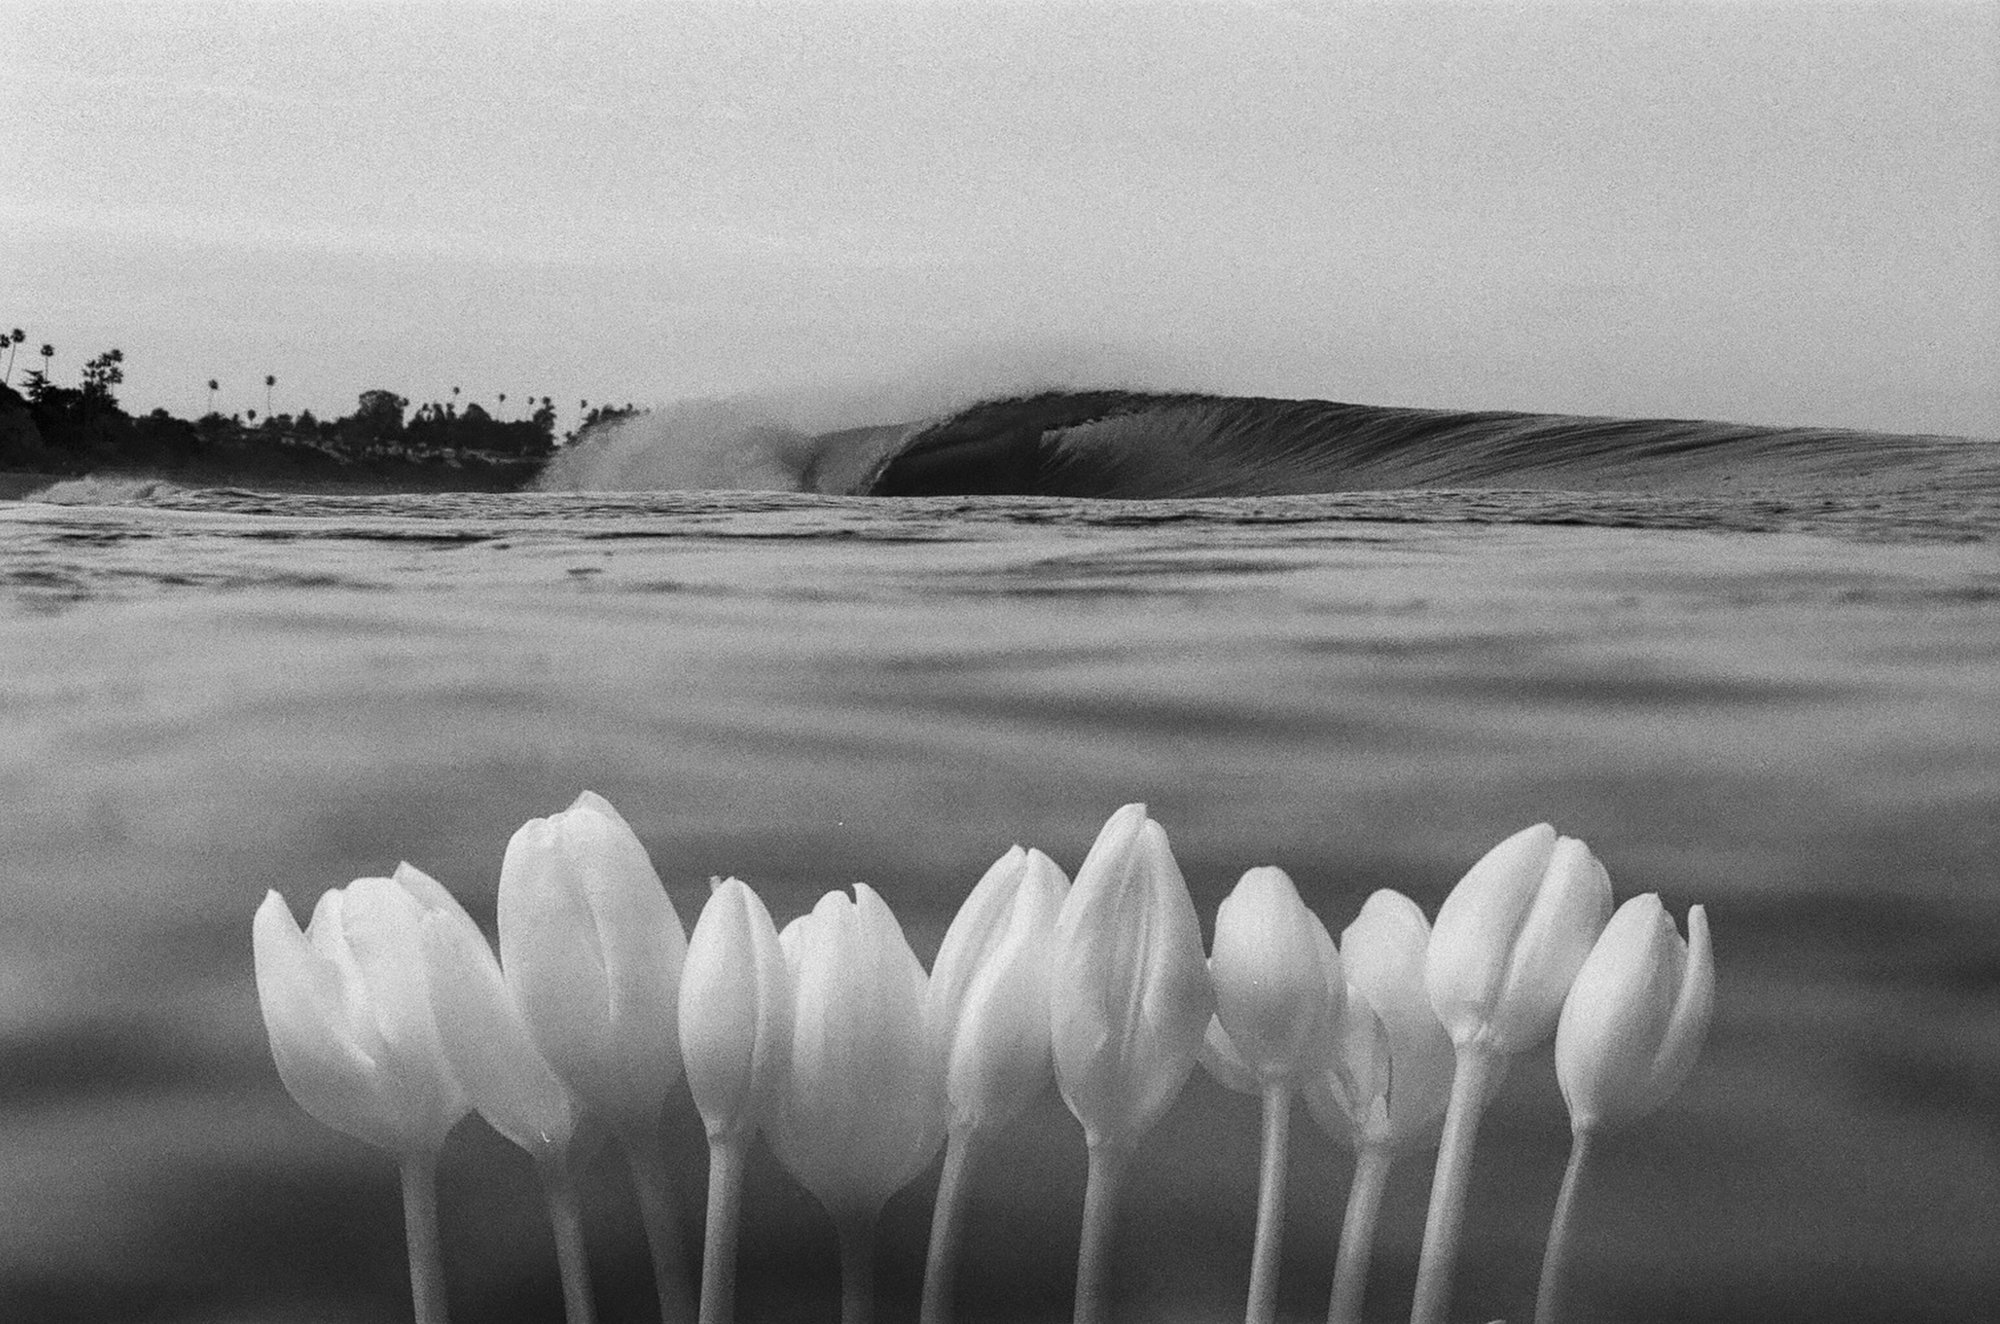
[(420, 1229), (1469, 1085), (1100, 1203), (566, 1218), (1264, 1255), (1555, 1261), (661, 1214), (727, 1155), (948, 1224), (1357, 1233), (857, 1267)]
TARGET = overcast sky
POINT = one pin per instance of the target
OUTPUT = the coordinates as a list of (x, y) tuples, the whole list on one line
[(1773, 214)]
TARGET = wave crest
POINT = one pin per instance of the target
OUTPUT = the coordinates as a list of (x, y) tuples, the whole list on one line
[(1138, 444)]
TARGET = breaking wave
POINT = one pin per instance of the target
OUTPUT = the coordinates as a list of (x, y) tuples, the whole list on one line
[(1135, 444), (102, 490)]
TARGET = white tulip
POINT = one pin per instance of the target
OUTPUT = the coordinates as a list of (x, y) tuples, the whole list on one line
[(1510, 938), (1391, 1076), (1506, 947), (1636, 1016), (735, 1011), (1276, 975), (862, 1108), (989, 990), (1630, 1032), (347, 1005), (1129, 997), (989, 1008), (1278, 993), (1129, 1002), (592, 949), (736, 1036)]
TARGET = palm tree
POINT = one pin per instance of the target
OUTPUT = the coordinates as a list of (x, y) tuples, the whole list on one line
[(48, 352), (13, 343), (503, 399), (213, 386), (269, 382)]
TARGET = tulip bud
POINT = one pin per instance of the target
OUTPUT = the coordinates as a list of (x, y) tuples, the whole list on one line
[(861, 1110), (1129, 996), (487, 1040), (989, 990), (1636, 1015), (1510, 938), (735, 1011), (1391, 1076), (347, 1006), (592, 950), (1276, 975), (1223, 1061)]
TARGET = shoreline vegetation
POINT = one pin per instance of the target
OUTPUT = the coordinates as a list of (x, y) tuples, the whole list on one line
[(50, 432)]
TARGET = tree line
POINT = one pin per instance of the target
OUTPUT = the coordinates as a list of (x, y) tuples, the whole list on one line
[(51, 428)]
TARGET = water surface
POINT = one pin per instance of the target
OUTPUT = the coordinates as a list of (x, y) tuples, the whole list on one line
[(1780, 703)]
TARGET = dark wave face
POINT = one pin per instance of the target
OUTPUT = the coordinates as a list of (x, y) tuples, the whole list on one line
[(1133, 445)]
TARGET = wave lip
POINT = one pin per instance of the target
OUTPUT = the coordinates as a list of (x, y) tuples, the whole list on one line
[(1125, 444)]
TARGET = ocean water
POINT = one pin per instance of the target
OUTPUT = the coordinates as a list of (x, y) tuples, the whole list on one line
[(1782, 701)]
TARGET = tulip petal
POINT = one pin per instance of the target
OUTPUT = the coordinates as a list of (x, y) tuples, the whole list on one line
[(305, 1010), (1694, 1007), (975, 933), (326, 932), (989, 997), (1473, 935), (1570, 909), (425, 890), (1510, 938), (1383, 952), (550, 948), (381, 923), (487, 1040), (1349, 1097), (643, 941), (1218, 1056)]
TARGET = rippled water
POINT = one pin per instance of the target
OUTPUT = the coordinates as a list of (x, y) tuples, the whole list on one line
[(1786, 708)]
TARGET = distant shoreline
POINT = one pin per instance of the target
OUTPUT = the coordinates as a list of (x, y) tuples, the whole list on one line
[(50, 432)]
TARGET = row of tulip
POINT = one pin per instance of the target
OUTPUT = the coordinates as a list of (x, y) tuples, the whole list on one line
[(390, 1018)]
